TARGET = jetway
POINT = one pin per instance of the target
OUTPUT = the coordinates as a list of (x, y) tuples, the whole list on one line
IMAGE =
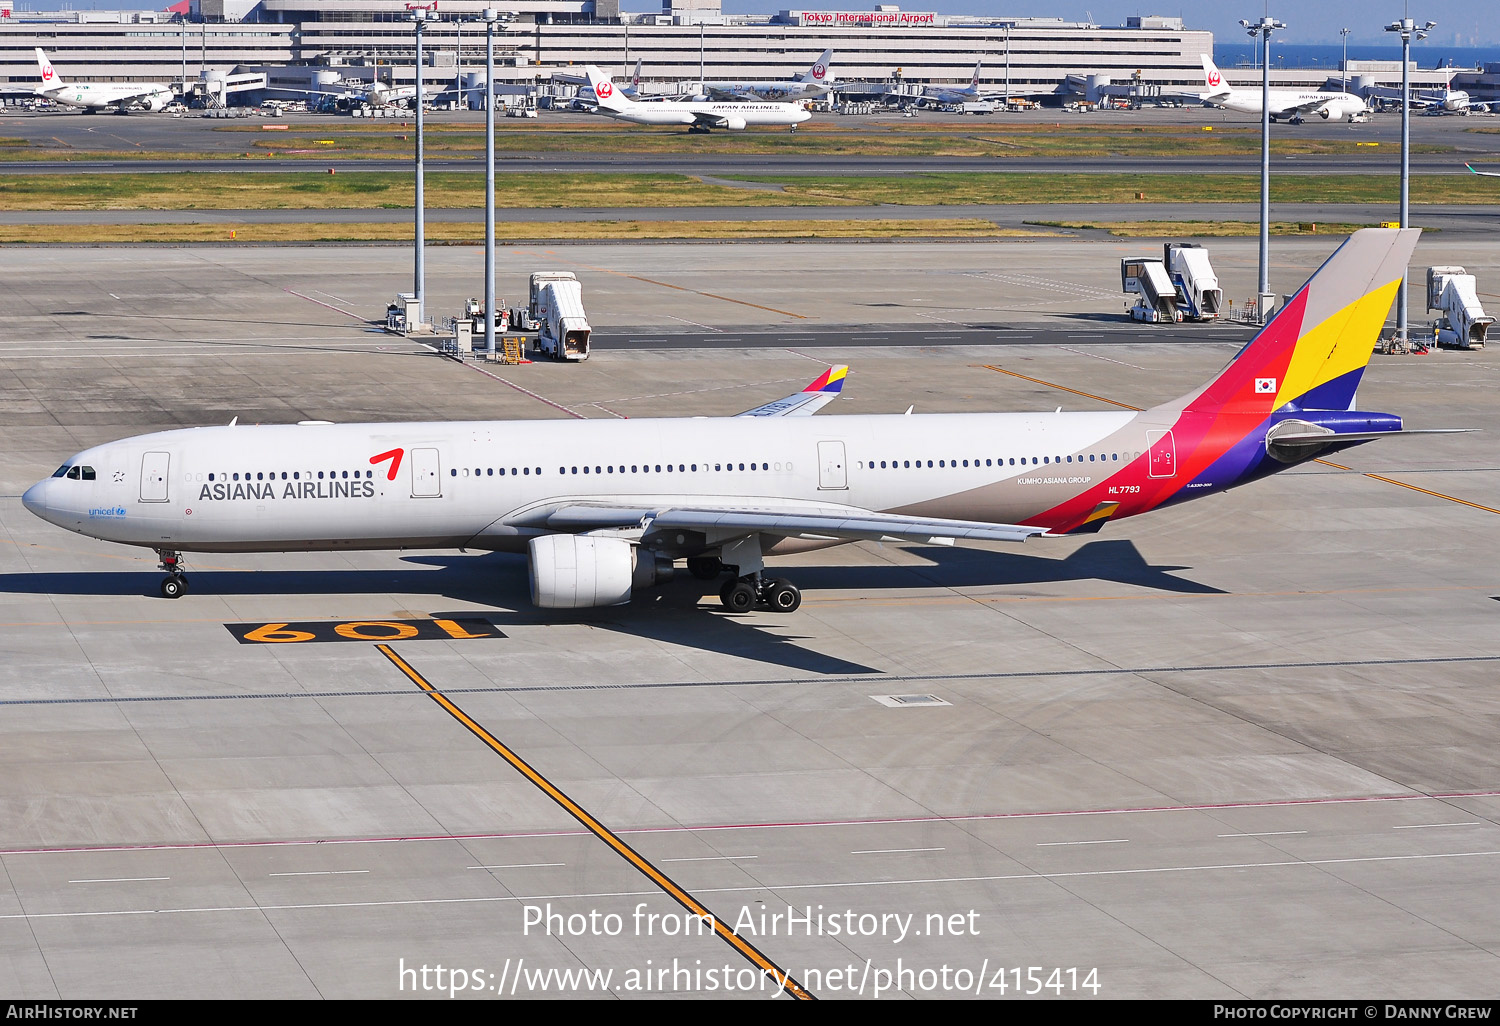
[(1454, 293)]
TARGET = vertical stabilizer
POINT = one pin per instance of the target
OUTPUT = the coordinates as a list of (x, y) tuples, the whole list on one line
[(50, 78), (821, 71), (1314, 351)]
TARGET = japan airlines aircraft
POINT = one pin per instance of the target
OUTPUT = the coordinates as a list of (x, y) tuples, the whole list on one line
[(1286, 104), (604, 507), (817, 81), (952, 95), (699, 116), (100, 95)]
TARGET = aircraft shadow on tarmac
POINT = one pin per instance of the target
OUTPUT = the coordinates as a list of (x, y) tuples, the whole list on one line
[(683, 612)]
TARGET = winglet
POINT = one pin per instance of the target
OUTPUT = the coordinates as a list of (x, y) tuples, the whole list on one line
[(831, 381), (808, 401)]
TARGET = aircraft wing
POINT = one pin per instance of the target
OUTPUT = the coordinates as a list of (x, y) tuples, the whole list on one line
[(1486, 174), (708, 120), (808, 401), (1310, 107), (734, 519)]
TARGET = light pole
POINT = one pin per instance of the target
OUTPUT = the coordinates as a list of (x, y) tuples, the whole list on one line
[(490, 15), (1407, 28), (1344, 64), (419, 271), (1264, 298)]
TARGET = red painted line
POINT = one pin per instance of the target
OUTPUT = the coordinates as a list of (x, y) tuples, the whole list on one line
[(782, 825), (527, 391)]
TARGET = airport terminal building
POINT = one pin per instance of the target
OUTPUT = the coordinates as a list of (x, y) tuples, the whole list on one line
[(877, 50)]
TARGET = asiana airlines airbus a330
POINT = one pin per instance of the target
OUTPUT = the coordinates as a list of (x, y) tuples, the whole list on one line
[(604, 508)]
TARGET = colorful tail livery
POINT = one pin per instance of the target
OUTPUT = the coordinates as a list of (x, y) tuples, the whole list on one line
[(1287, 396)]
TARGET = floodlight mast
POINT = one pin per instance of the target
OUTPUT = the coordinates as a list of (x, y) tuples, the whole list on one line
[(1407, 29), (1263, 28)]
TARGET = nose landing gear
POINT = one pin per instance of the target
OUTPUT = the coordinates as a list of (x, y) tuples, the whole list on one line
[(175, 584)]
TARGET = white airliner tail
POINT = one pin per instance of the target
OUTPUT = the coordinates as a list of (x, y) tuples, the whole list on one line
[(821, 70), (605, 92), (50, 78), (1214, 78), (974, 82)]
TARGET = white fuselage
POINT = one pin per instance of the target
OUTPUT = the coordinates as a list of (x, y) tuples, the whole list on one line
[(689, 112), (783, 91), (490, 485), (1286, 103), (98, 95)]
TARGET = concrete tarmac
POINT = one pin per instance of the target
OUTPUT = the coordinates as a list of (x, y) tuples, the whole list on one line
[(1242, 747)]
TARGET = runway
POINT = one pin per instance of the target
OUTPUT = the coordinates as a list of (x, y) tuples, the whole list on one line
[(1243, 747)]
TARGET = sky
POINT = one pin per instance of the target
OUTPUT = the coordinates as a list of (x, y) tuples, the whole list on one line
[(1459, 22)]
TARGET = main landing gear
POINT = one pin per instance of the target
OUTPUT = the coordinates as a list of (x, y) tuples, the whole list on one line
[(742, 594), (175, 584)]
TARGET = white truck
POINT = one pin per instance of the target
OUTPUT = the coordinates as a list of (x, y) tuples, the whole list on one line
[(1452, 292), (557, 309), (1157, 301)]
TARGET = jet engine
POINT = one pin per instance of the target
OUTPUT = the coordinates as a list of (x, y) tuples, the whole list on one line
[(581, 571), (1325, 113), (734, 124)]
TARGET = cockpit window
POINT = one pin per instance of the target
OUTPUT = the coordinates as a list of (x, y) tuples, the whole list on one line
[(74, 473), (60, 471), (88, 473)]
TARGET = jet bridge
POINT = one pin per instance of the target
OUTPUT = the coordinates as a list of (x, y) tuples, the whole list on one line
[(1453, 292)]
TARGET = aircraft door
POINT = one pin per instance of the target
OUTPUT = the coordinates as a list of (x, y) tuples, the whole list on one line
[(1162, 452), (154, 470), (832, 473), (426, 476)]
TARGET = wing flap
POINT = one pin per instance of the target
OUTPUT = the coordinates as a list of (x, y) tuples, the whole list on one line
[(826, 524)]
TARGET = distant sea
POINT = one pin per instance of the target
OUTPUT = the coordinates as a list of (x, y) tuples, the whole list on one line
[(1306, 55)]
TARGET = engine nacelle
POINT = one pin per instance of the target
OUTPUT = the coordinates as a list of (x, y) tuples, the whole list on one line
[(571, 571), (1325, 113), (735, 124)]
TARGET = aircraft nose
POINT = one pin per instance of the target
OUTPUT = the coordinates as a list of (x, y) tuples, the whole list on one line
[(35, 498)]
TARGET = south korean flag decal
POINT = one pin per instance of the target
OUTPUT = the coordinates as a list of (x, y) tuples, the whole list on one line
[(1265, 386)]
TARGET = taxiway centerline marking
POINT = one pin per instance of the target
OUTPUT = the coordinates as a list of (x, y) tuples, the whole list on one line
[(599, 830)]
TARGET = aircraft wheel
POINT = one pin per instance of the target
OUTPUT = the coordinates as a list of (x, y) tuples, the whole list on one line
[(173, 586), (738, 597), (784, 596), (705, 568)]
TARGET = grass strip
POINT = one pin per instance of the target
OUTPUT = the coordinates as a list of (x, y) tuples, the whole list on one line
[(452, 233), (1206, 229)]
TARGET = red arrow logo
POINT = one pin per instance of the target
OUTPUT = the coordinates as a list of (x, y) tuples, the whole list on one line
[(395, 457)]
